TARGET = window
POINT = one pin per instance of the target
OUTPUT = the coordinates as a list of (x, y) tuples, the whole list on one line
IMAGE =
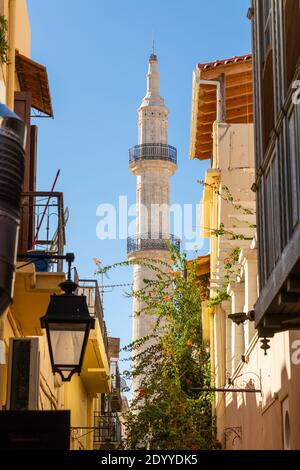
[(23, 374), (293, 167), (286, 425), (266, 27), (291, 33), (267, 101), (266, 70)]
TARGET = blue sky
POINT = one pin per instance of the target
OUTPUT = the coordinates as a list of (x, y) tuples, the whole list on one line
[(96, 54)]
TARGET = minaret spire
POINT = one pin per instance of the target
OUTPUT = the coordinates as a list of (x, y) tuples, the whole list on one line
[(153, 77), (153, 97)]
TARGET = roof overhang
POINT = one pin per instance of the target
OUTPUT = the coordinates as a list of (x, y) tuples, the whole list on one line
[(235, 75), (202, 265), (95, 372), (33, 78)]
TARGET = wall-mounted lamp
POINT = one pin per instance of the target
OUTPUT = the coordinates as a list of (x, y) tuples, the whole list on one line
[(241, 317), (67, 323)]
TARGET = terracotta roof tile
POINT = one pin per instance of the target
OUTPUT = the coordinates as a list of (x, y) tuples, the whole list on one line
[(219, 63)]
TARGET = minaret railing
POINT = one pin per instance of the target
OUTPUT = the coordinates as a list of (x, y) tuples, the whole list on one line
[(152, 241), (153, 152)]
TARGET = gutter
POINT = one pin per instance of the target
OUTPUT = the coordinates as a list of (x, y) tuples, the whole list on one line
[(197, 81)]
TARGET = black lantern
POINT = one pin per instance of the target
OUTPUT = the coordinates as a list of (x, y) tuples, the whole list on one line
[(67, 323)]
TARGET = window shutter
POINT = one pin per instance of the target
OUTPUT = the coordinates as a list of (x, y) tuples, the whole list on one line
[(23, 109), (23, 374)]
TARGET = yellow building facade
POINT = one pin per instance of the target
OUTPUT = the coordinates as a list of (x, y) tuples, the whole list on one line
[(222, 132), (256, 407), (33, 287)]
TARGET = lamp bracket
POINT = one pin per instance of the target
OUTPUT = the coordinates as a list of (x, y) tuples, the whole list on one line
[(68, 257)]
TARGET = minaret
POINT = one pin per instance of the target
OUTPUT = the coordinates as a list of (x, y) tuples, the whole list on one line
[(153, 162)]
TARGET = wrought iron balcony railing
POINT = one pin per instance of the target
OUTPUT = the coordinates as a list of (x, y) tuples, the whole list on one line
[(151, 242), (90, 288), (43, 221), (153, 152), (107, 428)]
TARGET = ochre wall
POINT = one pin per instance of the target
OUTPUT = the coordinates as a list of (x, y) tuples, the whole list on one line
[(260, 416)]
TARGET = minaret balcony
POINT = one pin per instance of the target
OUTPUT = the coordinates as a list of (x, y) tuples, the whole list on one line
[(152, 241), (153, 152)]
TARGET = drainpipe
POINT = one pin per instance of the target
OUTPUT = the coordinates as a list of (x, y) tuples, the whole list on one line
[(2, 356), (10, 88), (12, 145), (219, 90)]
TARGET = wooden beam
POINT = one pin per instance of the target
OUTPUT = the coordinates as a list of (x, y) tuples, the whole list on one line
[(239, 112), (205, 148), (239, 79), (237, 101), (208, 108), (243, 89), (204, 128)]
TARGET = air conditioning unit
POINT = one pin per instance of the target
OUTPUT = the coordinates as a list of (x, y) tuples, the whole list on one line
[(23, 374)]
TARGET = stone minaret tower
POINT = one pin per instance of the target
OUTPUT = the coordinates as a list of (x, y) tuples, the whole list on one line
[(152, 161)]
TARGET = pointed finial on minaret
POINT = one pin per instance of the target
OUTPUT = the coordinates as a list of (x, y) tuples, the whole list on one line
[(153, 97), (153, 56)]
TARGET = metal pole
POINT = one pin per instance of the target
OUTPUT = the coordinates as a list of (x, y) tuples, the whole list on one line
[(227, 390)]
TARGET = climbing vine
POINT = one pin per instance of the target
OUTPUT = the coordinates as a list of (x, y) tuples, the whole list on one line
[(226, 195), (167, 411), (231, 268), (4, 48)]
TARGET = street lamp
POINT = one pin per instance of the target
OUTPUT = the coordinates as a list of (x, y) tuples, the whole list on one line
[(67, 323)]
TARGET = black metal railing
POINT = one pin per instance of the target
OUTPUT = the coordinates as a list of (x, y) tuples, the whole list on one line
[(151, 242), (107, 428), (153, 152), (43, 221), (90, 288)]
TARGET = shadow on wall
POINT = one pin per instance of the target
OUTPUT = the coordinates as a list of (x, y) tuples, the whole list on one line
[(268, 422)]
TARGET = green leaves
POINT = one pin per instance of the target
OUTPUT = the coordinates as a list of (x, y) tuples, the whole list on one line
[(166, 413), (4, 48)]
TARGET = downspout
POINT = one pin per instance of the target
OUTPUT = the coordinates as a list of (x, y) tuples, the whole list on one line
[(218, 85), (90, 424), (10, 89), (212, 356), (2, 356), (12, 144)]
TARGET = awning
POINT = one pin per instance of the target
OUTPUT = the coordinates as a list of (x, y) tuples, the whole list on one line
[(33, 78)]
